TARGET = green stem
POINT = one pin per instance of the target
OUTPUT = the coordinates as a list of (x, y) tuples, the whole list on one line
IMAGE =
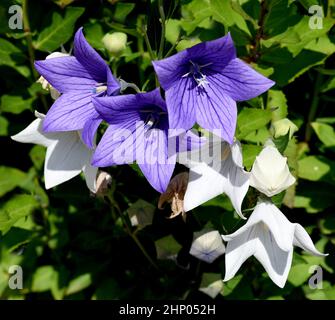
[(128, 230), (29, 39), (314, 107), (162, 20), (31, 50)]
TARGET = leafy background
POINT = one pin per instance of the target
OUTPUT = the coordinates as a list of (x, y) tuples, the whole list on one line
[(71, 245)]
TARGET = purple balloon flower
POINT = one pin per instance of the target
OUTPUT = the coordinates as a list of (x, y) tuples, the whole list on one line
[(204, 82), (138, 131), (78, 78)]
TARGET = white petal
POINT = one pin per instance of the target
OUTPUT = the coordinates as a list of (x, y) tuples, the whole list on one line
[(90, 174), (65, 159), (276, 262), (281, 228), (221, 172), (208, 246), (34, 134), (204, 184), (239, 249), (236, 151), (235, 186), (304, 241), (266, 212)]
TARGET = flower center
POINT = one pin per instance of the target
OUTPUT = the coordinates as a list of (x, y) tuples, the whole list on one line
[(195, 72), (152, 118), (100, 87)]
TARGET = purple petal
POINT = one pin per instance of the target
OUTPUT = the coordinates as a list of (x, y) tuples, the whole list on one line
[(217, 52), (123, 108), (89, 130), (65, 74), (155, 164), (216, 111), (89, 58), (117, 110), (69, 112), (113, 86), (118, 145), (170, 70), (240, 81), (180, 100)]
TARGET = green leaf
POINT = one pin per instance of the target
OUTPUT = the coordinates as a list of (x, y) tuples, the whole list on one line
[(80, 283), (224, 13), (16, 208), (325, 133), (122, 10), (330, 85), (249, 152), (37, 155), (314, 197), (327, 225), (10, 178), (3, 126), (195, 14), (59, 31), (94, 34), (282, 142), (15, 104), (317, 168), (277, 103), (108, 290), (13, 57), (172, 30), (250, 119), (44, 279)]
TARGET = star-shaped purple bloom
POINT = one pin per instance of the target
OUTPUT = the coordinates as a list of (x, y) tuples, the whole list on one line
[(138, 131), (78, 78), (204, 82)]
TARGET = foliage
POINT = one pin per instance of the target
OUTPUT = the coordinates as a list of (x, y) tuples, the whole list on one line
[(73, 246)]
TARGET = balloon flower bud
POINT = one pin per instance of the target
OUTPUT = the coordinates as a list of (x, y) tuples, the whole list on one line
[(115, 42), (283, 126), (270, 174), (45, 84)]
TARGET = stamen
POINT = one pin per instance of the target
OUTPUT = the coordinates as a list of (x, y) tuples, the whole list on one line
[(198, 76), (99, 88)]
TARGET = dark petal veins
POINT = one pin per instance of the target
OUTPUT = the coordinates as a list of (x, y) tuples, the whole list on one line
[(216, 111), (180, 101), (69, 112), (155, 164), (89, 130), (65, 74), (240, 81)]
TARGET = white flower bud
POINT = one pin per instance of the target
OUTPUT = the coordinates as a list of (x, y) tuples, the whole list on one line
[(45, 84), (270, 174), (281, 128), (115, 42)]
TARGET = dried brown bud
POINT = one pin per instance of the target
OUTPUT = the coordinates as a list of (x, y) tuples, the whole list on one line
[(174, 194), (103, 182)]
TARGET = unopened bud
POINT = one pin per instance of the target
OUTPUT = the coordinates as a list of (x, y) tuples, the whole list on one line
[(283, 126), (115, 42)]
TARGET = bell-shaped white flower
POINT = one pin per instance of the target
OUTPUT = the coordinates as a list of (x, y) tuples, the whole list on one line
[(268, 236), (66, 157), (207, 246), (216, 168), (270, 174), (45, 84)]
